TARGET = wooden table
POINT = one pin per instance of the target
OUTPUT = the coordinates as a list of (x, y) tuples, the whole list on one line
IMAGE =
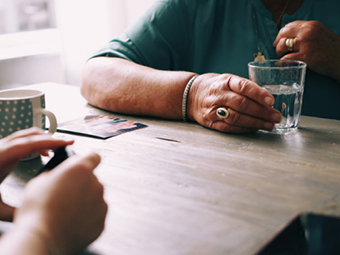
[(179, 188)]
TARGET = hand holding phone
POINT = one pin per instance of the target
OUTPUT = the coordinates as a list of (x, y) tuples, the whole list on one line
[(59, 156)]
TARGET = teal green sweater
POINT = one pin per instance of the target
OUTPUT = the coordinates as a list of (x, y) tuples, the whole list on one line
[(219, 36)]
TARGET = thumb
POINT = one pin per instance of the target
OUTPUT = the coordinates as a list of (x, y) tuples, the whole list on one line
[(6, 211)]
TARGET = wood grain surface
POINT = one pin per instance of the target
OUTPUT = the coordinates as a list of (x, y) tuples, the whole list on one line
[(179, 188)]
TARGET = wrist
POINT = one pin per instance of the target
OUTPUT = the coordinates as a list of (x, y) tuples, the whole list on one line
[(39, 227), (48, 243), (21, 240), (185, 97)]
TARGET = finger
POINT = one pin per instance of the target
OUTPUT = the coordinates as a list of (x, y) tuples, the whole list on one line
[(227, 128), (281, 47), (92, 159), (290, 30), (293, 56), (243, 105), (250, 90), (26, 146), (44, 152), (24, 133), (242, 120), (82, 162), (23, 146)]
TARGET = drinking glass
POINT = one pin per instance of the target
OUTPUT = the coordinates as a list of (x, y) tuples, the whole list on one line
[(285, 80)]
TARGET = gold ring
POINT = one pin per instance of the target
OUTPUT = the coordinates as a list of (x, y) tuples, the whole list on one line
[(223, 113), (290, 44)]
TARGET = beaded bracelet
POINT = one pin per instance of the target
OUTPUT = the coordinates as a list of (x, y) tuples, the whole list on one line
[(185, 97)]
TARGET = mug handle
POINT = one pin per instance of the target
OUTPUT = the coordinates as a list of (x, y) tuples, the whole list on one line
[(52, 119)]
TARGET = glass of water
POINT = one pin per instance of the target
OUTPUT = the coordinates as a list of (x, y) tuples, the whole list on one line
[(285, 80)]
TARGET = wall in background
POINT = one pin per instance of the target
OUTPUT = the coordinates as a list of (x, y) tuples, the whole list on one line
[(28, 70), (87, 25), (84, 26)]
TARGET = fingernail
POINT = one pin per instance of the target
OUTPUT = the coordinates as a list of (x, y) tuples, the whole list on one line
[(269, 101), (277, 117)]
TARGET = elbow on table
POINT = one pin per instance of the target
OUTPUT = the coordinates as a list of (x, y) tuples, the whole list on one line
[(86, 88), (93, 87), (89, 91), (96, 95)]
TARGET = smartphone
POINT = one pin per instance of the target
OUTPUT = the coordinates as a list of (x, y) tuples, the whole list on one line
[(59, 156), (306, 234)]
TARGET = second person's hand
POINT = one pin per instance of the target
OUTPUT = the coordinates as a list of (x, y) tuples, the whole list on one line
[(314, 44), (65, 205)]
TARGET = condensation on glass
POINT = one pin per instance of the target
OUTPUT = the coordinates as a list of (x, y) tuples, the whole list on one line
[(26, 15)]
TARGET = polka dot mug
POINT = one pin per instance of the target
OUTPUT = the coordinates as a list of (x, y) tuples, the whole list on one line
[(22, 109)]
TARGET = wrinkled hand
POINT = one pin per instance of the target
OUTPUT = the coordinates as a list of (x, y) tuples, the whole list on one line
[(66, 205), (314, 44), (249, 105), (18, 145)]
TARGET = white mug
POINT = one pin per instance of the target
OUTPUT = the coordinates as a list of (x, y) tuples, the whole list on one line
[(22, 109)]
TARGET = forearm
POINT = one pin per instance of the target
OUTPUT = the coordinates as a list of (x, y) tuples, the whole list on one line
[(122, 86)]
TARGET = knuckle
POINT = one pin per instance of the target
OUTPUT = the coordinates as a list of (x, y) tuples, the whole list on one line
[(312, 24), (235, 118), (207, 119), (227, 81), (283, 41), (284, 29), (308, 34), (243, 86), (209, 124), (310, 29), (242, 103), (206, 116)]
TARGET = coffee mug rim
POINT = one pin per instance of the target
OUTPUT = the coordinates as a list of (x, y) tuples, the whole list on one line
[(38, 93)]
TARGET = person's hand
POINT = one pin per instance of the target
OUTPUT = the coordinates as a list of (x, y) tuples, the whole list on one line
[(65, 205), (18, 145), (314, 44), (249, 105)]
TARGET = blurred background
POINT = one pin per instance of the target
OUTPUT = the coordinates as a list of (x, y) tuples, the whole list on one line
[(50, 40)]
